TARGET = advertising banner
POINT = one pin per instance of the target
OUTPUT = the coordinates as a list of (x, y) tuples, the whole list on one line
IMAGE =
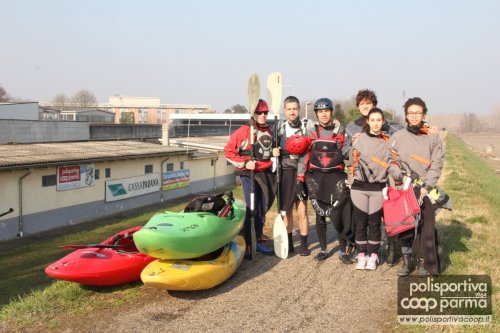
[(175, 179), (120, 189), (75, 176)]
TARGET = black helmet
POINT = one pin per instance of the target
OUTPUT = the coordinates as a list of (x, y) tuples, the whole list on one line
[(323, 103)]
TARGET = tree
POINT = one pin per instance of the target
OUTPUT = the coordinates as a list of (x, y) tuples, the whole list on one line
[(237, 108), (351, 115), (84, 99), (4, 97), (60, 101), (339, 114), (470, 123), (127, 118)]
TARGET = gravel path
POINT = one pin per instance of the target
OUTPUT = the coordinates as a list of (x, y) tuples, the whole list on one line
[(269, 295)]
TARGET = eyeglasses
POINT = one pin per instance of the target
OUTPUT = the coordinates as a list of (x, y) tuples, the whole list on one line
[(414, 114), (261, 112)]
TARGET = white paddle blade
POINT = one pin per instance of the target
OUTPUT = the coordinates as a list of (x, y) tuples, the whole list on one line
[(253, 92), (274, 88), (280, 238)]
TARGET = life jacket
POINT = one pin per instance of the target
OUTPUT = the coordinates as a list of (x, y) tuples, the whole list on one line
[(263, 146), (326, 153)]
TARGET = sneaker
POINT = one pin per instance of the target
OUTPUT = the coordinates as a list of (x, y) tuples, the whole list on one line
[(321, 256), (345, 258), (372, 262), (361, 261), (263, 248)]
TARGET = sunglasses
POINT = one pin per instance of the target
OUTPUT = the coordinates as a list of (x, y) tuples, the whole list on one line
[(261, 112)]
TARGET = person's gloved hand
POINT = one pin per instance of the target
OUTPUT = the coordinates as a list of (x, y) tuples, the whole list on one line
[(300, 190)]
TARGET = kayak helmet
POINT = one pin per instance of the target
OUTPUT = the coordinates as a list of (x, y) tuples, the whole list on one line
[(297, 144), (323, 103)]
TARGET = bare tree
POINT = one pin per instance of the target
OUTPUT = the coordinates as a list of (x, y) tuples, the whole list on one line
[(60, 101), (470, 123), (84, 99)]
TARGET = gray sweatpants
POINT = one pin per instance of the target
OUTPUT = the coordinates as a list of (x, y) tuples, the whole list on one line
[(367, 215)]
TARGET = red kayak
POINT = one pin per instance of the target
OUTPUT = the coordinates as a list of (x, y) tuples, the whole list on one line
[(113, 262)]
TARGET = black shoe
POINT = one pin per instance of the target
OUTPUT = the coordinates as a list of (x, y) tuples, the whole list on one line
[(406, 269), (304, 251), (321, 256), (345, 258)]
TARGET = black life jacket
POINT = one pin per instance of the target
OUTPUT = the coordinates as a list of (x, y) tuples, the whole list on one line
[(326, 153), (263, 146)]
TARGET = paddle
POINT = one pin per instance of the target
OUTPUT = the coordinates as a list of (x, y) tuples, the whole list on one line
[(6, 212), (280, 235), (253, 99)]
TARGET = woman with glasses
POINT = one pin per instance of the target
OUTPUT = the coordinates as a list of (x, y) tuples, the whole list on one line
[(420, 156), (238, 151)]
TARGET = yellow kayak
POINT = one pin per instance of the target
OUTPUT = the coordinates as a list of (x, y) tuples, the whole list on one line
[(196, 274)]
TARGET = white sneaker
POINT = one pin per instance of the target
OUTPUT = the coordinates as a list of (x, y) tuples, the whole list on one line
[(361, 261), (372, 262)]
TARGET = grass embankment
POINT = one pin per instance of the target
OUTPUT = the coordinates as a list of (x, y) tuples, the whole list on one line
[(470, 232), (29, 298)]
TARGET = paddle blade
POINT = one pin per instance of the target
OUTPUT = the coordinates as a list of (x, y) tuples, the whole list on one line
[(274, 88), (253, 92), (280, 238)]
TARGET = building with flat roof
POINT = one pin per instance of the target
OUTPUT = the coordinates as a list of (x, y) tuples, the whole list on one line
[(57, 184)]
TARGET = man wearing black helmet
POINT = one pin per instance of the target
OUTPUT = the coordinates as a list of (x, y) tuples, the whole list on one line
[(321, 171), (293, 143)]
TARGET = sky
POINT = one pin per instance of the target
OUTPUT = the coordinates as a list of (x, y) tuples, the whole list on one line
[(202, 52)]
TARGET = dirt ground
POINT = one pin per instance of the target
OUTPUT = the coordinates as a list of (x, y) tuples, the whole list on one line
[(485, 145), (265, 295)]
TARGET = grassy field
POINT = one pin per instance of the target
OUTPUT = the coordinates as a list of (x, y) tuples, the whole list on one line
[(29, 300)]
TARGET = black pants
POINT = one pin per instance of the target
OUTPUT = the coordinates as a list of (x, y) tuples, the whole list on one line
[(368, 231), (424, 246)]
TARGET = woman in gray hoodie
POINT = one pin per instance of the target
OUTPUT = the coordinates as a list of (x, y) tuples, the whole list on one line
[(369, 159)]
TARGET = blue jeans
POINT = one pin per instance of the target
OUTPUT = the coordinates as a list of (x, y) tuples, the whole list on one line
[(258, 209)]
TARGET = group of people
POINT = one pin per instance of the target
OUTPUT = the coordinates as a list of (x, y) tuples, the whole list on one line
[(311, 157)]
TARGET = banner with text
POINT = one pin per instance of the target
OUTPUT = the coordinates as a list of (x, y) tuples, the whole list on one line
[(132, 187), (75, 176), (175, 179)]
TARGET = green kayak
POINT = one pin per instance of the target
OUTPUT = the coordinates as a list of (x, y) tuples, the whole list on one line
[(191, 233)]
